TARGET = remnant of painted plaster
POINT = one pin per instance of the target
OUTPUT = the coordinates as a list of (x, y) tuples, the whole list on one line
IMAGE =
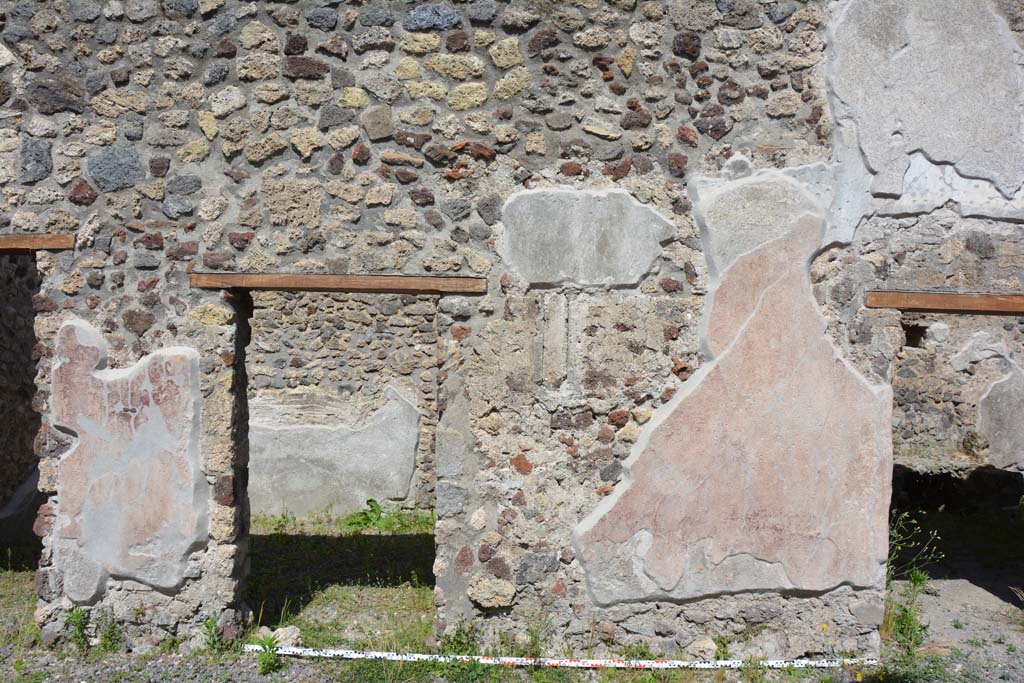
[(132, 497), (770, 468), (309, 468), (916, 127), (1001, 405), (567, 236)]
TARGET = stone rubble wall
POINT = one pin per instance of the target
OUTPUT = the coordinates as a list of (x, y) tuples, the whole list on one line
[(329, 361), (550, 147)]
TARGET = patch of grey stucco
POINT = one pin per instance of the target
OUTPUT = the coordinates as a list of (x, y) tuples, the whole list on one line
[(999, 420), (305, 468), (582, 237), (928, 99)]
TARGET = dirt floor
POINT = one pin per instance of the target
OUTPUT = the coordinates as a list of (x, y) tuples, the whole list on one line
[(372, 591)]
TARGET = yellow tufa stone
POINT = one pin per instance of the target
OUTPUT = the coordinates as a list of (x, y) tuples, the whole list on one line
[(207, 123), (407, 69), (264, 148), (512, 83), (416, 116), (340, 138), (467, 96), (419, 43), (306, 141), (197, 150), (484, 38), (353, 98), (380, 195), (459, 67), (505, 53), (627, 60), (73, 283), (428, 89), (210, 314), (535, 143)]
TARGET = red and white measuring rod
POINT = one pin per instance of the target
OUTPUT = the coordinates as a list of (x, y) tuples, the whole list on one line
[(544, 662)]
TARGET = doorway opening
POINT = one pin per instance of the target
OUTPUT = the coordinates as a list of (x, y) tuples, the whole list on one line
[(20, 499), (341, 394), (19, 420)]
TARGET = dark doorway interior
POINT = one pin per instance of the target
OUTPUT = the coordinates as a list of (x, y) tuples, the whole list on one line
[(978, 519), (19, 421)]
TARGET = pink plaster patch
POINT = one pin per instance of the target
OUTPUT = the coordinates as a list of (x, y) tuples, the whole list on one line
[(132, 498), (770, 469)]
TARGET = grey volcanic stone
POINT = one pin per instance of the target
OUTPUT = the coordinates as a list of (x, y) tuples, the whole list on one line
[(184, 184), (215, 73), (781, 11), (86, 10), (482, 11), (107, 34), (139, 11), (36, 160), (180, 8), (176, 206), (376, 16), (53, 95), (323, 18), (432, 17), (489, 208), (308, 468), (582, 237), (116, 168)]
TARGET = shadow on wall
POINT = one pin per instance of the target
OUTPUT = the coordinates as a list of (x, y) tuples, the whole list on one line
[(979, 519), (19, 422), (288, 570)]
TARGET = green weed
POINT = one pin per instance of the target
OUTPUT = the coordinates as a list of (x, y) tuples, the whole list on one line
[(910, 547), (111, 637), (721, 647), (78, 622), (267, 660), (212, 638)]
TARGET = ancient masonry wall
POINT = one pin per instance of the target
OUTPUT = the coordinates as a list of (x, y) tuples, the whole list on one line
[(342, 401), (669, 201)]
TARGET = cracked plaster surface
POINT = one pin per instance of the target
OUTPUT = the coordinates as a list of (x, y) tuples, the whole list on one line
[(132, 494), (770, 469), (928, 99)]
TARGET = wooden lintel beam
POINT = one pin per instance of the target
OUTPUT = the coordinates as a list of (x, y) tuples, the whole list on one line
[(948, 302), (384, 284), (21, 244)]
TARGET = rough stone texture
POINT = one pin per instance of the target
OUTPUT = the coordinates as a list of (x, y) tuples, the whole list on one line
[(585, 238), (132, 495), (116, 168), (305, 468), (783, 482), (318, 362), (543, 389), (36, 160)]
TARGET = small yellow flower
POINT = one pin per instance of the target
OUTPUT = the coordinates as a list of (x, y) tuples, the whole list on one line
[(824, 627), (860, 676)]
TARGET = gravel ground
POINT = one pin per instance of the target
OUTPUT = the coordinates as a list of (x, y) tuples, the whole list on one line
[(975, 624)]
